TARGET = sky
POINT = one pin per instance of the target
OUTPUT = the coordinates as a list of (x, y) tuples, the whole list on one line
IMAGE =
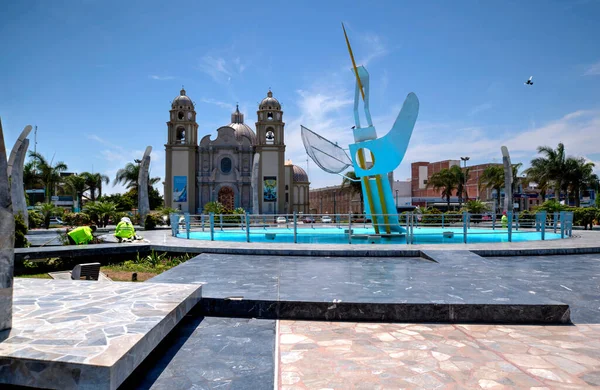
[(97, 77)]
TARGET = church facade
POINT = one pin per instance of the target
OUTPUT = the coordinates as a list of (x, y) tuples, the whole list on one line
[(239, 168)]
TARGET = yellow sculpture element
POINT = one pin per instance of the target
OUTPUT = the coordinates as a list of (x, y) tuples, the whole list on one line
[(361, 156)]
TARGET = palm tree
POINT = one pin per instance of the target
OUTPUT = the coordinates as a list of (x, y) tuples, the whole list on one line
[(49, 174), (30, 177), (94, 182), (551, 167), (128, 176), (579, 176), (77, 186), (100, 211), (538, 174), (353, 185), (445, 180), (492, 177), (47, 210), (462, 177)]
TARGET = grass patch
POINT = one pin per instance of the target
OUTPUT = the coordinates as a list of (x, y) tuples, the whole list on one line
[(38, 276)]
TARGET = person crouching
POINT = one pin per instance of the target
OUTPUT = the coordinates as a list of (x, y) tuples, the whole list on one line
[(81, 235), (125, 230)]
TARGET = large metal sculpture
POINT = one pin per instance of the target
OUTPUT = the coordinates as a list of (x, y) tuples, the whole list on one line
[(143, 175), (16, 163), (7, 241), (386, 152)]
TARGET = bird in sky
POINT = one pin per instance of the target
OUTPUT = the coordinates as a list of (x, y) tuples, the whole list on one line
[(529, 82)]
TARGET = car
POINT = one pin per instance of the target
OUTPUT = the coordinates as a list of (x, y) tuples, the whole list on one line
[(326, 219), (308, 220), (56, 221), (281, 220)]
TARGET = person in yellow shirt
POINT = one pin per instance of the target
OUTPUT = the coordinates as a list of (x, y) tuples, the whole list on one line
[(81, 235), (125, 230), (504, 220)]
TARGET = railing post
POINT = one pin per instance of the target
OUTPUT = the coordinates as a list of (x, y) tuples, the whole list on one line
[(202, 221), (465, 226), (494, 220), (350, 228), (264, 222), (247, 218), (295, 228), (562, 224), (442, 220), (221, 221), (187, 224), (510, 222), (174, 224), (517, 221), (211, 217), (555, 220), (543, 217)]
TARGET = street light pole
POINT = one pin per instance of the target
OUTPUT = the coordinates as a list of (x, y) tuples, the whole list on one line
[(465, 159)]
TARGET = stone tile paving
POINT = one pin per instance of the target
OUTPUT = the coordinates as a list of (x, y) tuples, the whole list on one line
[(211, 353), (85, 334), (325, 355)]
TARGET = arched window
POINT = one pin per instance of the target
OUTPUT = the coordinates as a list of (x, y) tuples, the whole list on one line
[(180, 135), (270, 116), (226, 165), (180, 115), (270, 136)]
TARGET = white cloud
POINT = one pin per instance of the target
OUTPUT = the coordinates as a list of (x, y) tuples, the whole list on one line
[(117, 157), (593, 70), (221, 70), (480, 108), (161, 78), (376, 48), (218, 103)]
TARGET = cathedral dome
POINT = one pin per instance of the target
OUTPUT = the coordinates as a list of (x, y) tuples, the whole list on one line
[(182, 101), (300, 174), (269, 103), (241, 129)]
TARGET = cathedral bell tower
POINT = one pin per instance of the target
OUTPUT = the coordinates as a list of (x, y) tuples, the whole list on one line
[(271, 148), (181, 154)]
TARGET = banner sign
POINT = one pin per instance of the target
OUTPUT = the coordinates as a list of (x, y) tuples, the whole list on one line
[(270, 189), (180, 189)]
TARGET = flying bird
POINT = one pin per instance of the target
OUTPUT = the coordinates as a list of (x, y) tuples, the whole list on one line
[(529, 82)]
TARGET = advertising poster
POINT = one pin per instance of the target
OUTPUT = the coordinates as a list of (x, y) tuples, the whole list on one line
[(270, 188), (180, 189)]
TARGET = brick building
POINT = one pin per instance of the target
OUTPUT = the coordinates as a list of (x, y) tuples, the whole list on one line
[(422, 171)]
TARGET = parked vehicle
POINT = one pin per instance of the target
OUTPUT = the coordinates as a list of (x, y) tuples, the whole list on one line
[(326, 219), (308, 220), (56, 221), (281, 220)]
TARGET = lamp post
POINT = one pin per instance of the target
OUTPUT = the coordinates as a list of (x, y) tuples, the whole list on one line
[(465, 159)]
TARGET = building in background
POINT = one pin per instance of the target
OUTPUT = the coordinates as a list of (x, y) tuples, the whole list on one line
[(222, 169)]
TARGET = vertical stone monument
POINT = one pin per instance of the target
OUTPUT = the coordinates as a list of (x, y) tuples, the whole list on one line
[(143, 200), (508, 180), (16, 162), (7, 241)]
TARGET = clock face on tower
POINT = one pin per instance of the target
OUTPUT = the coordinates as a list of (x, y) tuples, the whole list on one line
[(189, 116)]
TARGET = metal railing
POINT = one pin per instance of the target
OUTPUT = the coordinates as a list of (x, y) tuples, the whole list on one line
[(409, 228)]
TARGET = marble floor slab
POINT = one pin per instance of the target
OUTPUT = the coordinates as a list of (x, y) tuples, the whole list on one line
[(85, 334), (328, 355), (462, 288)]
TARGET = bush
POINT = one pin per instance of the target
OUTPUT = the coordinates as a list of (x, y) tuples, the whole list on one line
[(152, 220), (527, 218), (20, 232), (551, 206), (76, 219), (585, 216), (36, 219)]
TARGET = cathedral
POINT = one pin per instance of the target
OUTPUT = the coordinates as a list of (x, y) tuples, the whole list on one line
[(239, 168)]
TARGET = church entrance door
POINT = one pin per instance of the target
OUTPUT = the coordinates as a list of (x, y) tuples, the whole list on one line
[(226, 198)]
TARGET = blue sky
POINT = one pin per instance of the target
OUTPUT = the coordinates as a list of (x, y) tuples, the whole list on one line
[(97, 77)]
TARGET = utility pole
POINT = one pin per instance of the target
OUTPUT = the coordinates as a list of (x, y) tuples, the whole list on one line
[(34, 148)]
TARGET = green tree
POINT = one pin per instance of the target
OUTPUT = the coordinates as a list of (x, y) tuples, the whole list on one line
[(444, 180), (579, 176), (30, 177), (124, 203), (462, 177), (77, 186), (94, 182), (214, 207), (100, 211), (492, 177), (49, 174), (353, 185), (475, 207), (47, 210), (550, 168), (128, 176)]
